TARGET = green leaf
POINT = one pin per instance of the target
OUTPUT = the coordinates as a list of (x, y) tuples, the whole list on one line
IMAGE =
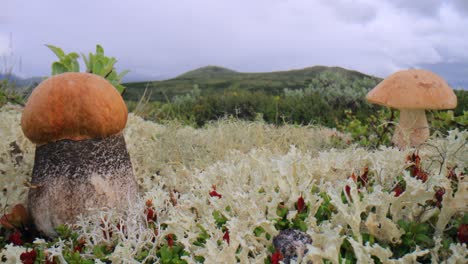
[(142, 255), (421, 228), (422, 238), (301, 225), (58, 68), (86, 60), (258, 231), (75, 67), (403, 224), (282, 211), (99, 50), (73, 55), (220, 219), (107, 69), (63, 231), (200, 259), (166, 254), (120, 88), (122, 74), (99, 251), (97, 67), (58, 51), (92, 58), (112, 77)]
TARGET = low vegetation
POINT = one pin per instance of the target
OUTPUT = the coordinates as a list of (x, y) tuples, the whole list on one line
[(222, 171), (223, 192)]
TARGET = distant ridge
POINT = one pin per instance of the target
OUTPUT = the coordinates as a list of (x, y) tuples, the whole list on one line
[(216, 78), (23, 86), (217, 72), (207, 72)]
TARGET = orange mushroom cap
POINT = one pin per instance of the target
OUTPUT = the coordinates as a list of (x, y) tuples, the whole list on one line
[(73, 106), (413, 89)]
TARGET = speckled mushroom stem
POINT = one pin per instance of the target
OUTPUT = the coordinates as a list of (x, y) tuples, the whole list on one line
[(71, 177), (412, 129)]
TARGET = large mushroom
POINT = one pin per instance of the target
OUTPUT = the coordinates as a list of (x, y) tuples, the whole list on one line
[(412, 91), (81, 160)]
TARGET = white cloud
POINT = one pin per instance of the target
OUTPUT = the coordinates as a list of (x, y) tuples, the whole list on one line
[(160, 37)]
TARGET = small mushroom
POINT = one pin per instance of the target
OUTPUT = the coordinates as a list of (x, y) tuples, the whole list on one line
[(81, 160), (412, 91)]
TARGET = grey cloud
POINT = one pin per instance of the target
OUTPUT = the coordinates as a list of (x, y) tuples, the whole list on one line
[(461, 6), (453, 72), (352, 11), (421, 7)]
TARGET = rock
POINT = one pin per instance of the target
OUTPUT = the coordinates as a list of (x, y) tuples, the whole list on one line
[(292, 244)]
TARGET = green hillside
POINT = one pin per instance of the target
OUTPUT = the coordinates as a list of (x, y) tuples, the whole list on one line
[(213, 78)]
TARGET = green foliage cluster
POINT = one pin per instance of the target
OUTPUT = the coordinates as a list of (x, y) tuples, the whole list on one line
[(322, 102), (97, 63), (66, 63), (378, 127), (8, 93), (298, 222)]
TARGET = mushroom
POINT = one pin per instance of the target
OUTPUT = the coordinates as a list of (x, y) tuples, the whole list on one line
[(412, 91), (81, 160)]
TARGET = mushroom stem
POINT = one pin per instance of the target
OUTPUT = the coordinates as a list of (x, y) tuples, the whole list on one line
[(75, 176), (412, 129)]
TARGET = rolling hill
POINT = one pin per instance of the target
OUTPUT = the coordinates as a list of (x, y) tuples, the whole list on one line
[(213, 78), (20, 82)]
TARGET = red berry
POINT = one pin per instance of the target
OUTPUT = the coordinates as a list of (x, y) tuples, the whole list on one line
[(353, 177), (226, 236), (452, 175), (300, 204), (79, 247), (398, 190), (363, 179), (276, 257), (417, 161), (439, 196), (348, 190), (462, 233), (215, 193), (28, 257), (150, 215), (15, 238), (170, 240), (421, 175)]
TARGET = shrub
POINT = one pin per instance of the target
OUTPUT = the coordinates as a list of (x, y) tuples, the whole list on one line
[(97, 63)]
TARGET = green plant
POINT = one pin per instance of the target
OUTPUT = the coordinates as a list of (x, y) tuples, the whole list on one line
[(66, 63), (443, 121), (377, 129), (298, 222), (102, 65), (9, 94), (97, 63), (172, 254)]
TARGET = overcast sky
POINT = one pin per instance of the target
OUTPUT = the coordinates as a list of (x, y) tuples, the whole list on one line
[(164, 38)]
